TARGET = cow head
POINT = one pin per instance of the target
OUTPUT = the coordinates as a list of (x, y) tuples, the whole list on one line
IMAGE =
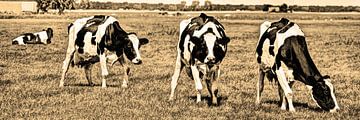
[(132, 47), (323, 94), (210, 44), (50, 34)]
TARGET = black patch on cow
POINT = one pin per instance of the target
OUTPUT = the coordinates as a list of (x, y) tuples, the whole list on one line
[(200, 50), (30, 38), (271, 35), (294, 54), (280, 24), (97, 19), (92, 28), (287, 27)]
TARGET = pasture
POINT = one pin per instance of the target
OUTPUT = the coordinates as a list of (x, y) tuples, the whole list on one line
[(29, 75)]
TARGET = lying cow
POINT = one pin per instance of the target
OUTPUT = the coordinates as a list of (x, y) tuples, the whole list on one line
[(43, 37), (101, 39), (201, 48), (282, 54)]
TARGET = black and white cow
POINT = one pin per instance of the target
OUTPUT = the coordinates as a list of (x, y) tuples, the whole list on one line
[(201, 48), (282, 55), (42, 37), (101, 39)]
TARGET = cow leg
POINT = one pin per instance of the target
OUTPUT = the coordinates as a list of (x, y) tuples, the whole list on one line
[(260, 86), (126, 72), (69, 56), (212, 84), (178, 67), (285, 87), (282, 98), (197, 80), (291, 106), (104, 71), (88, 74)]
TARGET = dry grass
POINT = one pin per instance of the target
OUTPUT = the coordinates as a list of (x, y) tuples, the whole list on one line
[(29, 75)]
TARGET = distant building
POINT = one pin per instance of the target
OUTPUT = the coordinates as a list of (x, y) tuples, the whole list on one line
[(196, 2), (274, 9), (18, 6)]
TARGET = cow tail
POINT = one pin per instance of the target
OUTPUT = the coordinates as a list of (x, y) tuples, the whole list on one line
[(70, 25)]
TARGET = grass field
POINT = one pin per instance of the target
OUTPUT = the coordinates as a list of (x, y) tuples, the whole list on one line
[(29, 75)]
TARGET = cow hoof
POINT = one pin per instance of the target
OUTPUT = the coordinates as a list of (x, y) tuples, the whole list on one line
[(103, 86), (124, 85), (215, 104), (171, 99), (283, 108), (61, 85), (91, 84), (257, 102), (292, 110)]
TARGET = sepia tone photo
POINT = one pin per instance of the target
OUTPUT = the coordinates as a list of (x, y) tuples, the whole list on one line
[(179, 59)]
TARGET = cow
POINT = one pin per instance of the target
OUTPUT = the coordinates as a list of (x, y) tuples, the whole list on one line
[(42, 37), (201, 48), (100, 38), (282, 55)]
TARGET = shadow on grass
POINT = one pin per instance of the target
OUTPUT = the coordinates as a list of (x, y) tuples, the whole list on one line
[(5, 82), (220, 100), (87, 85), (296, 104)]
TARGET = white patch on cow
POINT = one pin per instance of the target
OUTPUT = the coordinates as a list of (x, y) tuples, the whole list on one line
[(292, 31), (135, 42), (198, 33), (328, 83), (183, 25), (77, 26), (210, 43), (188, 48), (263, 27), (88, 47), (266, 59), (20, 40), (43, 36), (111, 58), (102, 28)]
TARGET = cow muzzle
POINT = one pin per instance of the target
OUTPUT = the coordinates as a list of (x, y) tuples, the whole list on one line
[(136, 61), (334, 109), (15, 42), (210, 60)]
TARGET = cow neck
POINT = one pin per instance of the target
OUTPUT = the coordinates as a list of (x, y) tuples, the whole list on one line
[(311, 74)]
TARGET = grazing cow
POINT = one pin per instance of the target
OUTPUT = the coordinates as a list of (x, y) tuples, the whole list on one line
[(282, 55), (101, 39), (201, 48), (43, 37)]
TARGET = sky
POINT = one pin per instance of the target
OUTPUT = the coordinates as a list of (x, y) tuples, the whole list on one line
[(255, 2)]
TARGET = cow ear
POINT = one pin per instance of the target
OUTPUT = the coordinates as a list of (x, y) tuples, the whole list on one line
[(143, 41), (227, 40)]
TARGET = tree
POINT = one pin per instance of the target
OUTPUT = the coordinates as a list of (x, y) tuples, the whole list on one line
[(284, 8), (61, 5)]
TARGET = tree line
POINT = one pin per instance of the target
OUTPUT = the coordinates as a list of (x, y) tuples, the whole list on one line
[(61, 5)]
